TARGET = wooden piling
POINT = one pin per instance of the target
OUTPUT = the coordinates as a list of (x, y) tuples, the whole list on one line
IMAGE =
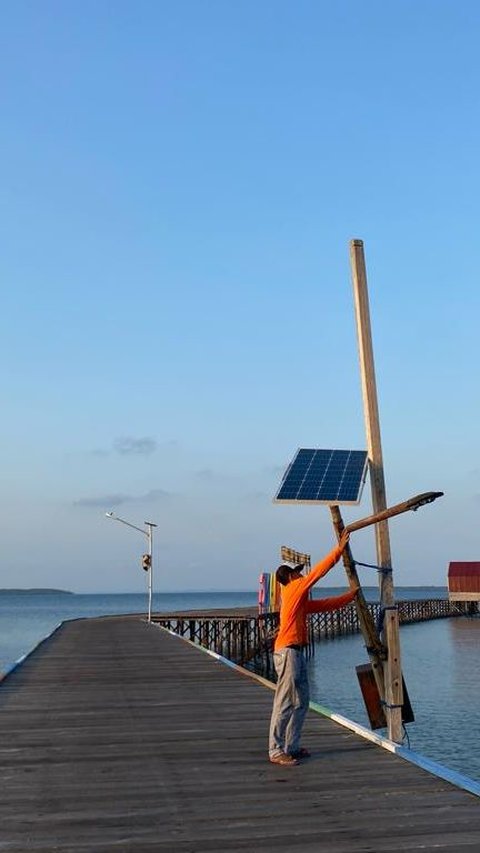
[(393, 672), (376, 650)]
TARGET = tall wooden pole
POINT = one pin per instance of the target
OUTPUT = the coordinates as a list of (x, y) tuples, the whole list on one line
[(393, 671)]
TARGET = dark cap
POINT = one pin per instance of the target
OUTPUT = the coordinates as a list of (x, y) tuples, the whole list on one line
[(283, 572)]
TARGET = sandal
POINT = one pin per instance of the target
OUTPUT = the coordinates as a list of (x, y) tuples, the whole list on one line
[(301, 753), (282, 758)]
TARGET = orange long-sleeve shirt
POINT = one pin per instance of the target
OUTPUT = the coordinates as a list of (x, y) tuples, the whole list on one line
[(295, 604)]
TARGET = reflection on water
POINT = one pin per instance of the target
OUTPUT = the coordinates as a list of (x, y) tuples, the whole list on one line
[(441, 666)]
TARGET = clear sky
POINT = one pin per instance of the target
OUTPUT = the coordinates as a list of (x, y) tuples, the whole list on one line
[(179, 185)]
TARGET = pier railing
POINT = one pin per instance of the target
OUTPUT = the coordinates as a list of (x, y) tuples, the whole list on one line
[(247, 638), (345, 621), (237, 637)]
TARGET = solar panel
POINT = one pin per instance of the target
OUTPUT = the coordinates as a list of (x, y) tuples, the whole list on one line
[(324, 477)]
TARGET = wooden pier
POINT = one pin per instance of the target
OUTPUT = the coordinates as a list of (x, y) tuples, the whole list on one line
[(118, 736), (243, 636)]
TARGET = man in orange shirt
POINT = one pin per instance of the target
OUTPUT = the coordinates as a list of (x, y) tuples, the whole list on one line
[(292, 692)]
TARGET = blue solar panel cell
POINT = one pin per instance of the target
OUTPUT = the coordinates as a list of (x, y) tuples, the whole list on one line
[(324, 476)]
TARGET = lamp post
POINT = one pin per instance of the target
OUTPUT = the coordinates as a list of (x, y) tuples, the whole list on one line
[(146, 564)]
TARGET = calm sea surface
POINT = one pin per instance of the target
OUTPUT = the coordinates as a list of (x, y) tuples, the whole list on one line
[(440, 660)]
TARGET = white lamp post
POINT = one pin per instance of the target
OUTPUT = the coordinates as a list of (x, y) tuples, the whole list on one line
[(146, 564)]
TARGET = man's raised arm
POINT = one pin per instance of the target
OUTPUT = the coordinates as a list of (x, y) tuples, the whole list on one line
[(324, 566)]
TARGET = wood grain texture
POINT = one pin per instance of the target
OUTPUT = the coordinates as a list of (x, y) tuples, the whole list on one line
[(117, 736)]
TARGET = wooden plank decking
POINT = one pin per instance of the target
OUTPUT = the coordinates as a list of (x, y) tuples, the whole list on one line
[(117, 736)]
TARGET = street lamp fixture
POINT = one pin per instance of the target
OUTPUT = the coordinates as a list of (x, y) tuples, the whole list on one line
[(147, 563)]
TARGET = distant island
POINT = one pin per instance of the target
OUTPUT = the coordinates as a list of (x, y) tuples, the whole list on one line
[(35, 591)]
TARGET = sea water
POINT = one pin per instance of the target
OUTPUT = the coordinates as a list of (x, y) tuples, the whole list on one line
[(440, 659), (440, 664), (28, 617)]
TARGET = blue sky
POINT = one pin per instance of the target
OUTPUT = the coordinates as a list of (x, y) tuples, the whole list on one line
[(180, 182)]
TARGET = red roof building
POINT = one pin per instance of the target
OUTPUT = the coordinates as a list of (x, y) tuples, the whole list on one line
[(464, 581)]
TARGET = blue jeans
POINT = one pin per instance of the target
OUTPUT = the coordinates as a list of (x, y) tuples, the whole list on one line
[(291, 700)]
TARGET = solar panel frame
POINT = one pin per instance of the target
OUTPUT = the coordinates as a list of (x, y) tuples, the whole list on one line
[(320, 476)]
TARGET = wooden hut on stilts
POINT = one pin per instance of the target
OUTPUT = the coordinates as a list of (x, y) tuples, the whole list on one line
[(464, 584)]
